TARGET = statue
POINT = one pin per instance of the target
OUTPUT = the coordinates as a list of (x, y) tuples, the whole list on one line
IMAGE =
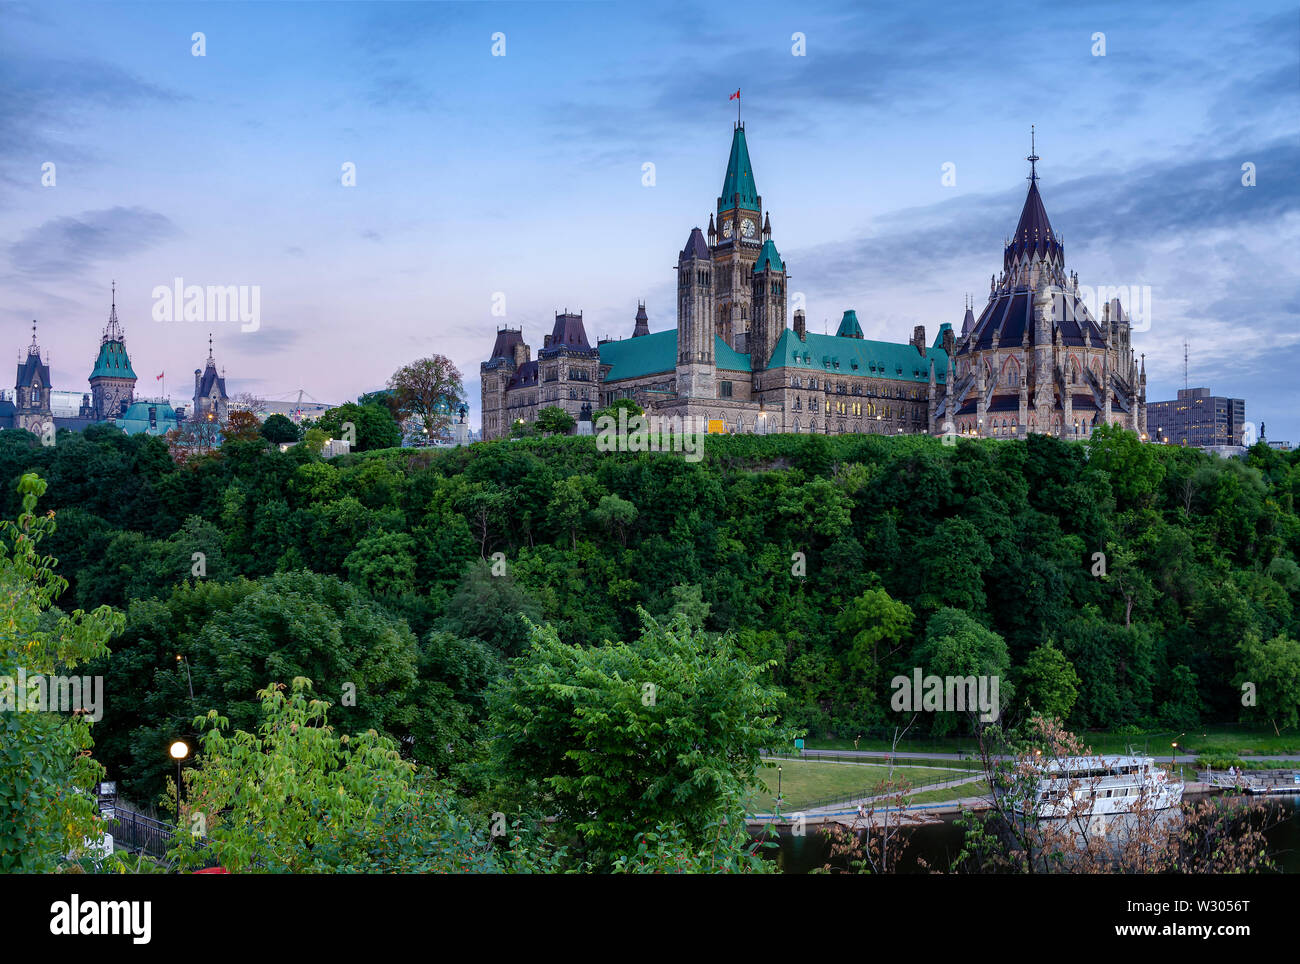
[(585, 414), (463, 411)]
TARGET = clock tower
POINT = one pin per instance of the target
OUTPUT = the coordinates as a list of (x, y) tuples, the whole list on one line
[(737, 242)]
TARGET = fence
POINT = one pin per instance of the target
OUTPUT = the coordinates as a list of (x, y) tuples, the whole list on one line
[(136, 832)]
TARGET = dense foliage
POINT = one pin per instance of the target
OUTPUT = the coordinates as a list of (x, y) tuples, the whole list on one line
[(1111, 583)]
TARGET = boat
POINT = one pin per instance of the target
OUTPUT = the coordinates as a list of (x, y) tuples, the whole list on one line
[(1103, 786)]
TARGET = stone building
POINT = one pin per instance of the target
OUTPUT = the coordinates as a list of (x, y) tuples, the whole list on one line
[(112, 380), (32, 390), (211, 404), (1034, 361)]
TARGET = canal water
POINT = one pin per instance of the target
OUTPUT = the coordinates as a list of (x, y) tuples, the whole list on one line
[(939, 843)]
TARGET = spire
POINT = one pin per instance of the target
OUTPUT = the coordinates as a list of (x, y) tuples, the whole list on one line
[(642, 321), (212, 362), (713, 232), (1034, 236), (767, 226), (1033, 157), (738, 188), (695, 247), (113, 330), (33, 348)]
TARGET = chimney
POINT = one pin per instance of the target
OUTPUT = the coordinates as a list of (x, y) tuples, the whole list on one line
[(800, 325), (546, 342), (948, 340), (918, 339)]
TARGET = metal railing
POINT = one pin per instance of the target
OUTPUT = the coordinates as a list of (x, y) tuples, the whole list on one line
[(139, 833), (910, 788)]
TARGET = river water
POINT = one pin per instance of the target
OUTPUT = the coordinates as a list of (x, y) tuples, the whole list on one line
[(939, 843)]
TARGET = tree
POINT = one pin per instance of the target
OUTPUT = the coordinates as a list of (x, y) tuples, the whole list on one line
[(489, 608), (373, 424), (428, 389), (279, 429), (876, 626), (1049, 683), (47, 810), (240, 426), (296, 797), (249, 403), (1135, 472), (956, 645), (616, 740), (554, 420), (612, 410), (1272, 670)]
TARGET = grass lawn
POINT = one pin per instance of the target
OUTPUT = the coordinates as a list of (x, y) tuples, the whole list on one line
[(806, 781), (979, 788), (1205, 741)]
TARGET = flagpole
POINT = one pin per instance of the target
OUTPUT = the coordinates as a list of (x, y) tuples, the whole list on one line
[(737, 106)]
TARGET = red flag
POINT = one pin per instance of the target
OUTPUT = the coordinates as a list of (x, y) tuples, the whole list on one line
[(735, 96), (159, 377)]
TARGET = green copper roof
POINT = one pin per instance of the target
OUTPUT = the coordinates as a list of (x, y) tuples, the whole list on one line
[(113, 361), (656, 353), (136, 419), (768, 257), (740, 176), (727, 358), (849, 327), (832, 355)]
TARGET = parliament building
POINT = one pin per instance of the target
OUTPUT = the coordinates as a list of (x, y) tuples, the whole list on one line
[(1035, 360)]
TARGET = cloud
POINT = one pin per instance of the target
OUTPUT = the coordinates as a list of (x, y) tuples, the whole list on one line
[(67, 246)]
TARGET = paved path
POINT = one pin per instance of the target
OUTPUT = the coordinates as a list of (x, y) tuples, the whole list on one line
[(913, 755)]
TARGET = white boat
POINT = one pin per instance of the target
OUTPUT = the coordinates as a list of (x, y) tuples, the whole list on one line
[(1104, 786)]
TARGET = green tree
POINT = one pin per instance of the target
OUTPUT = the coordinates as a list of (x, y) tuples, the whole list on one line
[(373, 424), (429, 389), (957, 645), (296, 797), (616, 740), (1272, 669), (1049, 683), (554, 420), (876, 627), (48, 813), (279, 429)]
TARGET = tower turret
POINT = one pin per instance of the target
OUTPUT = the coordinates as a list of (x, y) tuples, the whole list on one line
[(696, 371)]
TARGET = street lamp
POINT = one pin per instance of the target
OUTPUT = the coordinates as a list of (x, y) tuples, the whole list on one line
[(778, 789), (179, 751)]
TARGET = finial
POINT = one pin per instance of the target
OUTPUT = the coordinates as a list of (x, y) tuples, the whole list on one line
[(1033, 157)]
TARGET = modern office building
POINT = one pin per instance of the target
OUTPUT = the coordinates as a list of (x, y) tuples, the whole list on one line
[(1198, 419)]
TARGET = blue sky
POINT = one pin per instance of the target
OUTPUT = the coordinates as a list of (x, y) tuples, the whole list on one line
[(522, 174)]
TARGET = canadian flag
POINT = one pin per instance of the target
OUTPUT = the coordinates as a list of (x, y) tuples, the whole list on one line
[(159, 377), (735, 96)]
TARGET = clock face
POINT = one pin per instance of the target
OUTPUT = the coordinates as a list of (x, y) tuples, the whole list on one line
[(726, 228), (747, 228)]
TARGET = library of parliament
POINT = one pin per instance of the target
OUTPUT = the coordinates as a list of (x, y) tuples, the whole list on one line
[(1034, 361)]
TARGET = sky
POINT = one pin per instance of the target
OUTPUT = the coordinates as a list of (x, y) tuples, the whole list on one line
[(517, 182)]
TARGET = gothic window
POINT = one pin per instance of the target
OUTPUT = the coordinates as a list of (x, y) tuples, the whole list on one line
[(36, 396), (797, 407), (796, 426)]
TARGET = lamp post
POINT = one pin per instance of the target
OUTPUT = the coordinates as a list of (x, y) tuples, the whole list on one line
[(778, 789), (179, 751)]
